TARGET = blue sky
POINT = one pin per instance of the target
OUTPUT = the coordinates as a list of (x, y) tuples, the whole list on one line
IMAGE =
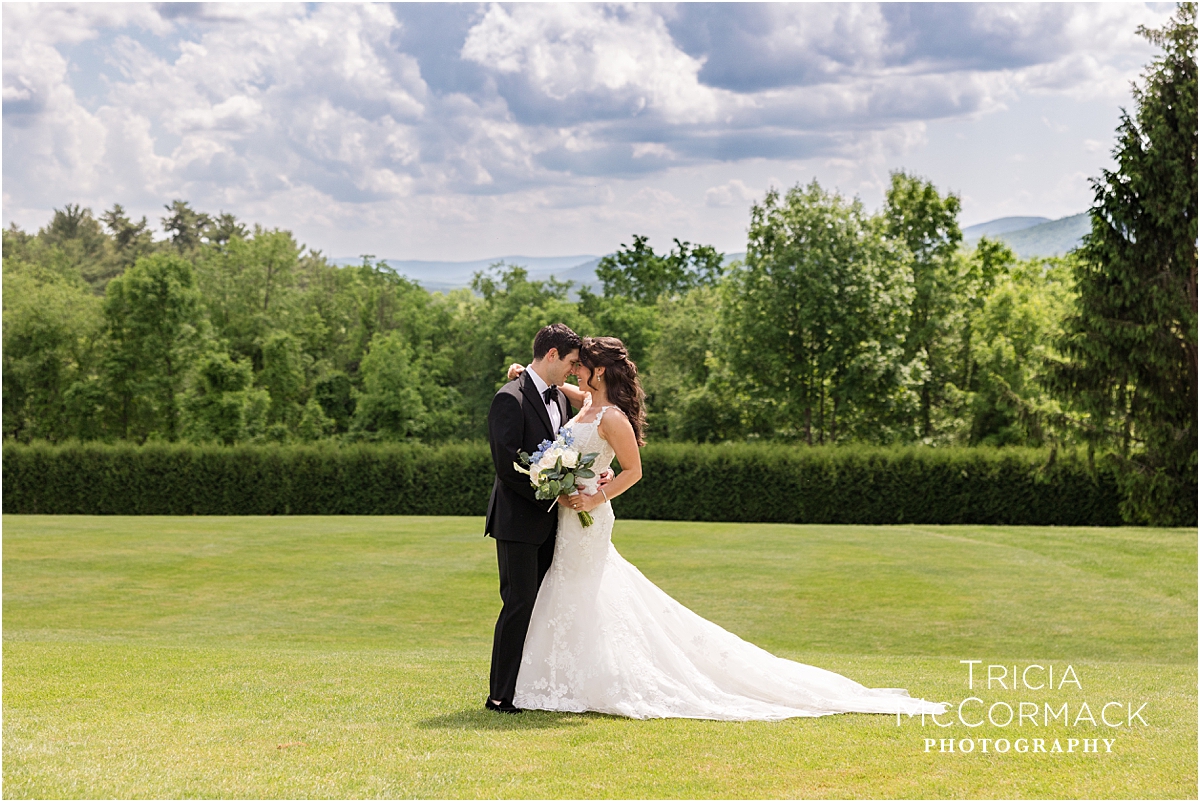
[(463, 131)]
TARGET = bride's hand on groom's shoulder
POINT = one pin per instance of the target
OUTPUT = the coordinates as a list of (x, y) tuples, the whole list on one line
[(515, 370)]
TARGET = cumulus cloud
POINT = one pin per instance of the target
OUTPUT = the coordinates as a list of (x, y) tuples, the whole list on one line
[(49, 139), (754, 47), (619, 62), (349, 116), (733, 192)]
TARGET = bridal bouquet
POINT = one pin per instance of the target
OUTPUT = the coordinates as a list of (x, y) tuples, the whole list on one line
[(556, 468)]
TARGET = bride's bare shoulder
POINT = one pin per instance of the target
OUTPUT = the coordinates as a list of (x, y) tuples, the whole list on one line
[(613, 419)]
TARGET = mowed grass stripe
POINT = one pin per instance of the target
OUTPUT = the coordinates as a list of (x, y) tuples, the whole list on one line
[(311, 657)]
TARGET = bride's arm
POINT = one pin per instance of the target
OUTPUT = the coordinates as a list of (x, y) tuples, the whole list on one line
[(574, 395), (617, 430)]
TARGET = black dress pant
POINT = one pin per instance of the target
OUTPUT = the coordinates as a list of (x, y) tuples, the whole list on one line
[(522, 568)]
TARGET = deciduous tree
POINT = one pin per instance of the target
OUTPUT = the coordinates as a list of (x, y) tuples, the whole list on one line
[(815, 314), (157, 330), (926, 223)]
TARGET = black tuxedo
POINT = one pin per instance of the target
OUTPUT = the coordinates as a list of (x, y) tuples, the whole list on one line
[(518, 421), (524, 527)]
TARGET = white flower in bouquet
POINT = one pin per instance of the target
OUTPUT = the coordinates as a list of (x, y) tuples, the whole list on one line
[(557, 469)]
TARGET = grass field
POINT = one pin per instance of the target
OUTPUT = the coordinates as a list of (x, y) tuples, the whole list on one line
[(348, 657)]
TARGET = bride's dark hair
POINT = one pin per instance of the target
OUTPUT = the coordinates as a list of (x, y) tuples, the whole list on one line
[(620, 374)]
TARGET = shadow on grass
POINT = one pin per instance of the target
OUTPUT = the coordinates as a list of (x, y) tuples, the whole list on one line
[(482, 719)]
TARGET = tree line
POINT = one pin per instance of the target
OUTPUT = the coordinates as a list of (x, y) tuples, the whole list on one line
[(840, 325)]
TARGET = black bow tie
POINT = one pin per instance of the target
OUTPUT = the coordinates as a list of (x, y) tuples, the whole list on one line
[(550, 395)]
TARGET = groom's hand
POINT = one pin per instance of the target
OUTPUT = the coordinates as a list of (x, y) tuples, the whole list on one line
[(604, 478)]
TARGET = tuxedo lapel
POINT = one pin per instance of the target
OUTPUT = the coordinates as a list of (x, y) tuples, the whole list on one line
[(564, 409), (535, 398)]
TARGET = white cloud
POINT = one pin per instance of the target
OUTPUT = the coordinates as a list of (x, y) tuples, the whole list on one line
[(72, 23), (50, 140), (571, 50), (319, 97), (643, 149), (729, 194), (1056, 127), (596, 116)]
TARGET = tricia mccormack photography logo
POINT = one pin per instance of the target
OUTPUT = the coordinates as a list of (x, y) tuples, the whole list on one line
[(1030, 708)]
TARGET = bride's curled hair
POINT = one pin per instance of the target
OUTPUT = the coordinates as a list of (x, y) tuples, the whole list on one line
[(621, 376)]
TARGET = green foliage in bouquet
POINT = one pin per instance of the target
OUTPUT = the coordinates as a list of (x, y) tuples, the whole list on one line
[(557, 479)]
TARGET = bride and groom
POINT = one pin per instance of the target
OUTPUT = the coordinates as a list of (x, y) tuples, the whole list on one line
[(581, 629)]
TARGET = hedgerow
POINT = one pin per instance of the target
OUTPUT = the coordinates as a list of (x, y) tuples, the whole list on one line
[(686, 482)]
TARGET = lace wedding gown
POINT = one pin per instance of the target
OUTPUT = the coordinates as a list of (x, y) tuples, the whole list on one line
[(605, 638)]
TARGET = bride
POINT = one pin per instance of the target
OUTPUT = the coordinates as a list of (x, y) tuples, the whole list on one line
[(606, 639)]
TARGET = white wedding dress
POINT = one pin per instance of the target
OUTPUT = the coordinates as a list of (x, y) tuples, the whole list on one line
[(606, 639)]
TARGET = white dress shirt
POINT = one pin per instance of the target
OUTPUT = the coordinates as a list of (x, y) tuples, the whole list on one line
[(552, 408)]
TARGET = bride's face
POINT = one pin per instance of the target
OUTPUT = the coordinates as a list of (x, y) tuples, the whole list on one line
[(586, 380)]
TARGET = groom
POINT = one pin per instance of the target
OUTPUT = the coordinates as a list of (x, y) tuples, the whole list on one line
[(524, 412)]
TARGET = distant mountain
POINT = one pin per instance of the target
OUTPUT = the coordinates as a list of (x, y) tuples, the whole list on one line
[(583, 275), (1049, 239), (1027, 236), (1041, 237), (443, 276), (1001, 225), (438, 276)]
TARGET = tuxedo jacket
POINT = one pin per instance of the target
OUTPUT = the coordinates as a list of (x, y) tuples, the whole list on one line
[(518, 421)]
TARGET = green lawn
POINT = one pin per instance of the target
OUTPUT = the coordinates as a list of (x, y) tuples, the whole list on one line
[(348, 657)]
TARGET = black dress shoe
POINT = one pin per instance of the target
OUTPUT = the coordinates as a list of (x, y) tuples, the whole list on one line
[(502, 707)]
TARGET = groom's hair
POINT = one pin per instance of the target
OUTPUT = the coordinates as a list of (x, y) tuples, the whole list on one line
[(556, 335)]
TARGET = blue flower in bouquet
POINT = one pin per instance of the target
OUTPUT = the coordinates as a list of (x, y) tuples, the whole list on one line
[(557, 469)]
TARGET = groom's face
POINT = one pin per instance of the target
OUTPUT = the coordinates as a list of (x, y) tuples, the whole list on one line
[(562, 367)]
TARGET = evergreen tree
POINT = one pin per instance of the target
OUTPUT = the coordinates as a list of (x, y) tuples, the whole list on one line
[(131, 240), (185, 225), (224, 228), (1131, 342), (83, 245)]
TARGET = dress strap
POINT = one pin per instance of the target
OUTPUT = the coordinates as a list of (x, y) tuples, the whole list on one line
[(601, 415)]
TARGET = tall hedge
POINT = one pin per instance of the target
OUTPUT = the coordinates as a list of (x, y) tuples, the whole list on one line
[(863, 485), (681, 482)]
